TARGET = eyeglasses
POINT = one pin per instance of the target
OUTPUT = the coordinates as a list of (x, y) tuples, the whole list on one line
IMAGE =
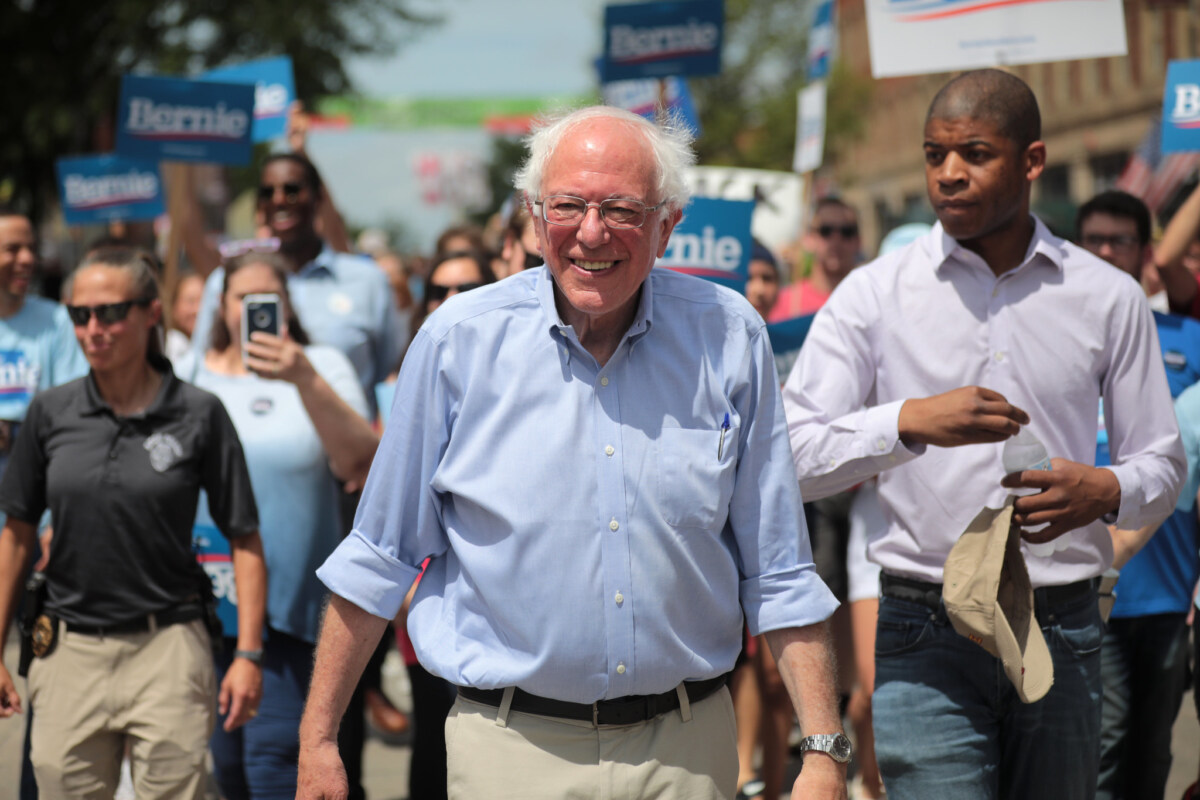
[(290, 191), (1121, 241), (436, 292), (106, 313), (239, 247), (846, 231), (562, 209)]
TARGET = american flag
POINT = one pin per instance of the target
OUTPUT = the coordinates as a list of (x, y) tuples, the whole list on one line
[(1155, 176)]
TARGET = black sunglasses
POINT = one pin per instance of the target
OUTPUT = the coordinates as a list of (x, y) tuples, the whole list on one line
[(847, 231), (106, 313), (436, 292), (290, 191)]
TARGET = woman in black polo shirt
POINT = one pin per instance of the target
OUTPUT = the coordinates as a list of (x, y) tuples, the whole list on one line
[(119, 457)]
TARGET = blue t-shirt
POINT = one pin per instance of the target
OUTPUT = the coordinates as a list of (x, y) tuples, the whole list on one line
[(1161, 577), (296, 493), (37, 350), (345, 302)]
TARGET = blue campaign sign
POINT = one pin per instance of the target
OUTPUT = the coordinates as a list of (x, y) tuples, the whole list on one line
[(274, 90), (171, 119), (1181, 107), (712, 241), (102, 188), (654, 40), (641, 97), (822, 36)]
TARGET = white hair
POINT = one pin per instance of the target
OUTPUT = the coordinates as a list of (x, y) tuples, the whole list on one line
[(670, 142)]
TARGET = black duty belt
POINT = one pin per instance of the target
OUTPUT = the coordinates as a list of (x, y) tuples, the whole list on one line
[(160, 619), (621, 711), (930, 594)]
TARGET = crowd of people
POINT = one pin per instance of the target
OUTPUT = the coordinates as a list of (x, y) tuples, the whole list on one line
[(615, 543)]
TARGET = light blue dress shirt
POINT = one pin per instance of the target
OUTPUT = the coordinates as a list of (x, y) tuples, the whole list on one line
[(344, 301), (591, 535)]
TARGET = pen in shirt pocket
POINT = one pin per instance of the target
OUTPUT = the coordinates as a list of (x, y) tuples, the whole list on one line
[(721, 441)]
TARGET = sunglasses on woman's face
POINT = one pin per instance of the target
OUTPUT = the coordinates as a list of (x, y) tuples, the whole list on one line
[(106, 313), (442, 292)]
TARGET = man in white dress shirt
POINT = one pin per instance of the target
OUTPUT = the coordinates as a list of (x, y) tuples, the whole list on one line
[(987, 324)]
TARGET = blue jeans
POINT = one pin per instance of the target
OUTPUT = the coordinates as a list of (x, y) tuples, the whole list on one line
[(259, 759), (949, 725), (1144, 670)]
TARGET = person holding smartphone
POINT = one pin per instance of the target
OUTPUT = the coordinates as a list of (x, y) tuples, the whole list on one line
[(300, 412)]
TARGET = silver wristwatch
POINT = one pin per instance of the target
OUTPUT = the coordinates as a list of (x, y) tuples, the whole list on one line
[(834, 745)]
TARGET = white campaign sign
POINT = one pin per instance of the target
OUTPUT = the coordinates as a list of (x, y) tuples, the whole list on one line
[(912, 37), (810, 128), (778, 216)]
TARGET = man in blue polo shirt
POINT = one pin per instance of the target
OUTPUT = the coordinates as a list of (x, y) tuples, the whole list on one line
[(1144, 655), (343, 300)]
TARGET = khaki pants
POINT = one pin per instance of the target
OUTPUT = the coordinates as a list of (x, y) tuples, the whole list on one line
[(93, 694), (534, 758)]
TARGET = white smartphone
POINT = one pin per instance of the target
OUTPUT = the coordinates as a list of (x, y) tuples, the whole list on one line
[(260, 312)]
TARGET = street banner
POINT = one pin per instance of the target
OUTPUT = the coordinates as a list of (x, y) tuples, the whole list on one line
[(102, 188), (712, 241), (778, 211), (172, 119), (822, 39), (810, 128), (641, 97), (274, 90), (654, 40), (1181, 107), (912, 37)]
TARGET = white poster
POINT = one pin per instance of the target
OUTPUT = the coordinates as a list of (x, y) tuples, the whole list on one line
[(810, 128), (778, 215), (911, 37)]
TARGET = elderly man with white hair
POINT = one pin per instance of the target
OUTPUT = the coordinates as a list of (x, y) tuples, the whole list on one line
[(593, 457)]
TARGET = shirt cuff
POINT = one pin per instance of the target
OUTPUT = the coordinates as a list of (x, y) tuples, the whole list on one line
[(1128, 518), (367, 576), (881, 429), (792, 599)]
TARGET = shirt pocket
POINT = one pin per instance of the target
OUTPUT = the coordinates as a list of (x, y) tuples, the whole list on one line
[(694, 485)]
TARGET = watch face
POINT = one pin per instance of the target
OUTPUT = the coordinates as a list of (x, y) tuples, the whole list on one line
[(841, 748)]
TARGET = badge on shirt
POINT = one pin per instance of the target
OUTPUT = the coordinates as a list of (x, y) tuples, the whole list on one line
[(260, 406), (340, 303), (165, 451), (1174, 359)]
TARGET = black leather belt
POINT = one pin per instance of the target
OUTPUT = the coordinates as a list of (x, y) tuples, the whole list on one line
[(930, 594), (621, 711), (160, 619)]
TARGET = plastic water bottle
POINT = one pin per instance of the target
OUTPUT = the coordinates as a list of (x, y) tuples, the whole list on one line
[(1021, 452)]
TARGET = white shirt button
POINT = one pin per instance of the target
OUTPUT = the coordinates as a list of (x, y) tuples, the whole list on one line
[(621, 668), (614, 525), (999, 356), (608, 451), (620, 598), (881, 444), (604, 381)]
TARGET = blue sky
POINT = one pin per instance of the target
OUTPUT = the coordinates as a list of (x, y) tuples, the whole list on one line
[(515, 48)]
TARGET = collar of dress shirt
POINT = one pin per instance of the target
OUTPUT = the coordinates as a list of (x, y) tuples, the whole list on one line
[(945, 249), (643, 320), (325, 261)]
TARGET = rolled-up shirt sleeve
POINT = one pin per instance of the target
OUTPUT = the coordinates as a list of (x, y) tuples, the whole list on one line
[(780, 587), (398, 524), (1143, 434), (836, 441)]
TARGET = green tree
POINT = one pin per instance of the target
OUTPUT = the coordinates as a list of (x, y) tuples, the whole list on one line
[(748, 112), (65, 59)]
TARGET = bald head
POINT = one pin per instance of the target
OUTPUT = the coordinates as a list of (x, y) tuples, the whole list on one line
[(990, 95)]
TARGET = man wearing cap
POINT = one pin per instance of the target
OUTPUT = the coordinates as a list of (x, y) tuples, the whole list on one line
[(954, 343), (593, 457)]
